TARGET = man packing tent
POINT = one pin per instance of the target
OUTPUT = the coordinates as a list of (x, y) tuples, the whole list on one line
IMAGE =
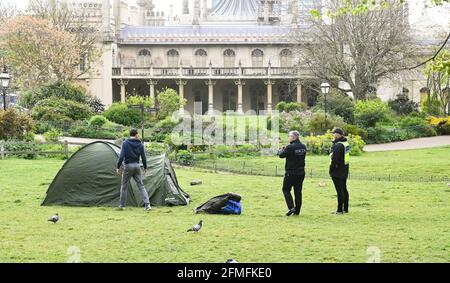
[(89, 178)]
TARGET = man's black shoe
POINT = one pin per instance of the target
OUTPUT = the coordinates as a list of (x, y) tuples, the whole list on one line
[(337, 213), (290, 212)]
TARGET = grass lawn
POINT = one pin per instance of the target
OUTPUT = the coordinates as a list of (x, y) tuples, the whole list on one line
[(407, 222)]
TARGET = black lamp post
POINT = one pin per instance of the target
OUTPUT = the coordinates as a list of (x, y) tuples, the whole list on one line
[(325, 87), (143, 110), (4, 83)]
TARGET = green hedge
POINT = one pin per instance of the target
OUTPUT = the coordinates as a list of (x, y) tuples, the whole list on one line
[(120, 113)]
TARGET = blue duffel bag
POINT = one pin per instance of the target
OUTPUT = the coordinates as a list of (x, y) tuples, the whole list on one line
[(232, 207)]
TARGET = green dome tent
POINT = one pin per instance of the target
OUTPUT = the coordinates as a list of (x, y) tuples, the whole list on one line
[(89, 178)]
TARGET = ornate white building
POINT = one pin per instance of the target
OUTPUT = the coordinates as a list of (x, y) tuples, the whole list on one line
[(233, 55)]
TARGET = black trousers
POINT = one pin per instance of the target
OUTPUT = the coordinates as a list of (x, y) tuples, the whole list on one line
[(295, 181), (342, 193)]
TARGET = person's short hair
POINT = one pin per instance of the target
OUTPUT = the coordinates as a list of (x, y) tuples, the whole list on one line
[(339, 131), (295, 134), (133, 132)]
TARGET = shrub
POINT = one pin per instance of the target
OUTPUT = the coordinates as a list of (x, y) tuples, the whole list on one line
[(402, 105), (14, 125), (53, 135), (96, 105), (356, 144), (290, 106), (86, 132), (155, 148), (224, 151), (294, 106), (184, 157), (316, 125), (280, 106), (169, 101), (52, 148), (354, 130), (322, 144), (120, 113), (442, 125), (52, 109), (20, 147), (411, 121), (380, 134), (338, 104), (289, 121), (369, 112), (97, 121), (247, 150), (162, 129), (29, 137)]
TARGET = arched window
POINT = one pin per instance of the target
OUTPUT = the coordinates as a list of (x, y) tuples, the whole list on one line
[(286, 58), (201, 57), (229, 58), (172, 58), (144, 58), (257, 58)]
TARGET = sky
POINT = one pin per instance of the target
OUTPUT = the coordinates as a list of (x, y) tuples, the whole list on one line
[(419, 15)]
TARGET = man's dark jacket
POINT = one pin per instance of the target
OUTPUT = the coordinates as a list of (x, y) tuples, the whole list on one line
[(132, 151), (295, 154), (338, 169)]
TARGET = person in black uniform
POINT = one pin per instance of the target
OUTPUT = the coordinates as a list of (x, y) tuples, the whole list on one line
[(339, 169), (295, 154)]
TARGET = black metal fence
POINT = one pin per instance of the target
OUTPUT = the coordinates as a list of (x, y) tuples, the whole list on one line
[(278, 171)]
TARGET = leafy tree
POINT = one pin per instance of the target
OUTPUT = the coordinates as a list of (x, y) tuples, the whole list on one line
[(358, 48), (169, 101), (438, 74), (34, 52)]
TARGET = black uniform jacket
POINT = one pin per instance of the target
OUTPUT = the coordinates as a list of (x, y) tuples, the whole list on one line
[(295, 154)]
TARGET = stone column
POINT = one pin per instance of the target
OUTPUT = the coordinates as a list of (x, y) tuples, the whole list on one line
[(152, 84), (210, 85), (240, 83), (123, 84), (299, 91), (181, 84), (269, 84)]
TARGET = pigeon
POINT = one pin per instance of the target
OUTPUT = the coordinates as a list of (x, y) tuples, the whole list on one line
[(231, 261), (322, 184), (196, 228), (54, 218)]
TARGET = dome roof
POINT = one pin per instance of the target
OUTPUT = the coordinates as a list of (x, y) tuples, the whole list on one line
[(236, 9)]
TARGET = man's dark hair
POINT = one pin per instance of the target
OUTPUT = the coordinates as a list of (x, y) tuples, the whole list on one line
[(133, 132)]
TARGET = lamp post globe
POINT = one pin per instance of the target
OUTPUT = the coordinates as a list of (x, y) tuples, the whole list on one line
[(325, 88)]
